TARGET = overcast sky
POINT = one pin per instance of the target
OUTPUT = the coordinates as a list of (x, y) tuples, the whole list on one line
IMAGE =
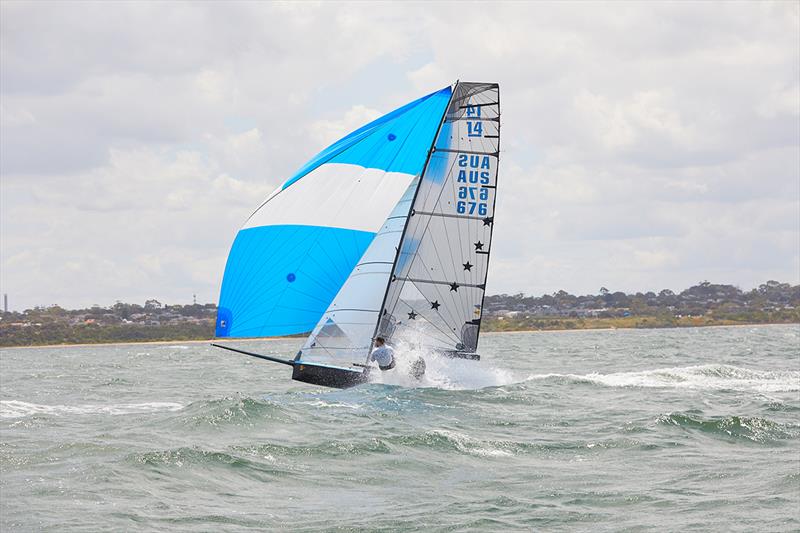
[(645, 146)]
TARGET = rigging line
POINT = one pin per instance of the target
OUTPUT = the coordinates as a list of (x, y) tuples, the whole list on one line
[(479, 119), (374, 263), (455, 322), (471, 152), (354, 309), (446, 334), (405, 325), (416, 192), (348, 348), (314, 338), (448, 215), (427, 334), (315, 343), (444, 297), (438, 282), (477, 105)]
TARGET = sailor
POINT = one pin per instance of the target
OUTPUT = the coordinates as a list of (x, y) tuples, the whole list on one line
[(383, 354)]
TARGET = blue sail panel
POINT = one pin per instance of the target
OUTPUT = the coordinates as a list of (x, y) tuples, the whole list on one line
[(280, 279), (396, 142)]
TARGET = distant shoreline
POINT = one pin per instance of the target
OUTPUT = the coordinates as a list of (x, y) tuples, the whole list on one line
[(145, 343), (567, 330), (237, 340)]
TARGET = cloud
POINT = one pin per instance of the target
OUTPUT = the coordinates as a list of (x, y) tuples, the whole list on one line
[(644, 146), (326, 132)]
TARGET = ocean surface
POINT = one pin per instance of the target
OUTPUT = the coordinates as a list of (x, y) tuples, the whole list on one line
[(626, 430)]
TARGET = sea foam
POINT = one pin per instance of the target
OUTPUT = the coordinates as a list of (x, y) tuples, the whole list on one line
[(18, 408), (702, 377)]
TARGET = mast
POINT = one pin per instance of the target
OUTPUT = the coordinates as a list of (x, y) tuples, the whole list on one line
[(382, 308), (494, 212)]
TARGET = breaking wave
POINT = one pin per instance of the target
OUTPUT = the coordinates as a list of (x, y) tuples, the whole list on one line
[(231, 410), (19, 409), (751, 428), (701, 377), (445, 373)]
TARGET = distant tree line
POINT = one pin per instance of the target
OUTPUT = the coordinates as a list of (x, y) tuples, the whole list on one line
[(700, 305), (696, 300), (703, 304)]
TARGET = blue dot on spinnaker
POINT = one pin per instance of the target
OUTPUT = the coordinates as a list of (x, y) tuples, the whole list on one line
[(391, 136), (290, 277)]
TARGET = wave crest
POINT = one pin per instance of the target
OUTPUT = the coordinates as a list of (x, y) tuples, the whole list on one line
[(19, 409), (702, 377), (751, 428)]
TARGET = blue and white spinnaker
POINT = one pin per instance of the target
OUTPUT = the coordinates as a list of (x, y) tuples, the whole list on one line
[(384, 233)]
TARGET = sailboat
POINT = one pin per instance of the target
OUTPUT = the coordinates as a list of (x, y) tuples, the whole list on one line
[(385, 233)]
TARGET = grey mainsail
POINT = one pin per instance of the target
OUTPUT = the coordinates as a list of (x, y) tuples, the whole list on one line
[(435, 296)]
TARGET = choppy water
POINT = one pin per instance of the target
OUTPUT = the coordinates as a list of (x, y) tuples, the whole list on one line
[(672, 430)]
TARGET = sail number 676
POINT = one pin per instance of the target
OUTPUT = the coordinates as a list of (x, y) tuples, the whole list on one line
[(470, 207)]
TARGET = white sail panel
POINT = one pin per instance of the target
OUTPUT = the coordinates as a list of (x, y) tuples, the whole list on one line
[(342, 196)]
